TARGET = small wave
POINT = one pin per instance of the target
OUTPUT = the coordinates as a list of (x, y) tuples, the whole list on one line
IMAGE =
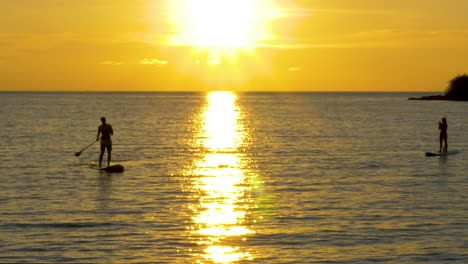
[(55, 225)]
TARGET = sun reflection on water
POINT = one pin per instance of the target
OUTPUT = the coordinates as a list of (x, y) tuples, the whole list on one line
[(221, 183)]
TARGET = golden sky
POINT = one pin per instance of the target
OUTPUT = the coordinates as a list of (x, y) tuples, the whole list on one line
[(266, 45)]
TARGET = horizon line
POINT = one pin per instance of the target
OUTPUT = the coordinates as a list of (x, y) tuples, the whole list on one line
[(207, 91)]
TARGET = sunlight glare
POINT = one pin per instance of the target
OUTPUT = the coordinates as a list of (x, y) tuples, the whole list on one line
[(217, 42), (221, 122), (221, 185), (221, 23)]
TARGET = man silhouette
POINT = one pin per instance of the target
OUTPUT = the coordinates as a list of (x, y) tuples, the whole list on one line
[(106, 143), (443, 134)]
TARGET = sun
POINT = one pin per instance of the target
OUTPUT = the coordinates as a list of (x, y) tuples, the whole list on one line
[(238, 24), (217, 42)]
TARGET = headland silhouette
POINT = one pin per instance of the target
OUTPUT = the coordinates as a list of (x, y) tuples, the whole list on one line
[(457, 90)]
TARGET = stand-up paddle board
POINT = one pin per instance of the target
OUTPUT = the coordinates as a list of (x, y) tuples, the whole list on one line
[(117, 168), (442, 154), (114, 168)]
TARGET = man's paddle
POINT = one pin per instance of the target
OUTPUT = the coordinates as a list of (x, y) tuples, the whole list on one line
[(79, 152)]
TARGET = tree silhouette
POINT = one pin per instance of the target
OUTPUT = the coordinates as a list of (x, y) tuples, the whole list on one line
[(458, 88)]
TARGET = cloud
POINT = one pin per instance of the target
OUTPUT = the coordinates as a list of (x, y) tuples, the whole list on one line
[(153, 62), (214, 62), (332, 26), (410, 38), (110, 62), (294, 69)]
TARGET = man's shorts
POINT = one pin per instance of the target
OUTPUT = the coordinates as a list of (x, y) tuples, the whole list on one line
[(106, 144)]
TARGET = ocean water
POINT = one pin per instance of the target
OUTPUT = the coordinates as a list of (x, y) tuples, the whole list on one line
[(226, 177)]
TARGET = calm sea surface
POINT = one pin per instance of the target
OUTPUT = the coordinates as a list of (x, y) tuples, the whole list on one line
[(232, 178)]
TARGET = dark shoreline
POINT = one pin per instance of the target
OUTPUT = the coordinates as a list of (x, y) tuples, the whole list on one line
[(438, 98)]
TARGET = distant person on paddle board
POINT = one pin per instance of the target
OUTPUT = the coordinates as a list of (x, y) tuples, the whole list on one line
[(443, 134), (106, 143)]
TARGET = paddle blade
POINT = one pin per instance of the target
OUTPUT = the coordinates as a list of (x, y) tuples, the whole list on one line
[(78, 153)]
